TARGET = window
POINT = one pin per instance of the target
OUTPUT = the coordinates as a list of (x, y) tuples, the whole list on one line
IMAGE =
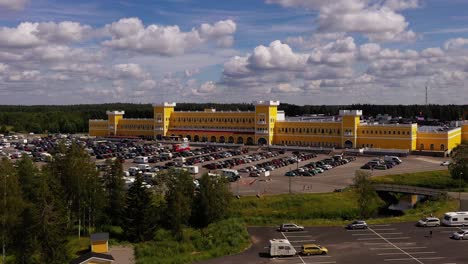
[(432, 146), (454, 219), (280, 247), (442, 147)]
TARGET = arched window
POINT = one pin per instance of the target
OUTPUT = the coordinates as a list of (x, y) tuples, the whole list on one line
[(421, 147), (442, 147), (432, 146)]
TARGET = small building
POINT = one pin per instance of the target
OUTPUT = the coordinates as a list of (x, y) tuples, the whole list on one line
[(98, 253)]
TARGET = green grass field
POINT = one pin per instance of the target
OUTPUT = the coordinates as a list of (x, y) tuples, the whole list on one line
[(326, 209), (430, 179)]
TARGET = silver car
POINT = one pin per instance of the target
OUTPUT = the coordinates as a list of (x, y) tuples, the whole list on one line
[(460, 235)]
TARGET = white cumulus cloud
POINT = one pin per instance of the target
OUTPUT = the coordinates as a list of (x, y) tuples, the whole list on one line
[(131, 34)]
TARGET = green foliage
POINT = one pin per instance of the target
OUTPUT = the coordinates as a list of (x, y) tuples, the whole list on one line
[(212, 201), (179, 197), (138, 222), (83, 193), (11, 201), (218, 239), (114, 185), (459, 166), (368, 200), (428, 179), (272, 210)]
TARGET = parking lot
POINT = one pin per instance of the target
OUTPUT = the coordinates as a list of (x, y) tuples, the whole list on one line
[(328, 181), (401, 243), (212, 159)]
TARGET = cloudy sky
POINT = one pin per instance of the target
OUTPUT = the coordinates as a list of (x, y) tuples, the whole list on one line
[(295, 51)]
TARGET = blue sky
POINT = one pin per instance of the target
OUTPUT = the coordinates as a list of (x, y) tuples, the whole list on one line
[(295, 51)]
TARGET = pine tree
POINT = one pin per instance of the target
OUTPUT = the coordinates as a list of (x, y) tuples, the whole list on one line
[(179, 199), (82, 187), (138, 222), (51, 221), (26, 238), (212, 201), (11, 203), (115, 193)]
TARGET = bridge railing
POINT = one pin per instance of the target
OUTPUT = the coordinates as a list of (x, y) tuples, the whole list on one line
[(408, 189)]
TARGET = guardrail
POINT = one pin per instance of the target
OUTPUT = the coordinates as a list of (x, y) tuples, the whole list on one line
[(408, 189)]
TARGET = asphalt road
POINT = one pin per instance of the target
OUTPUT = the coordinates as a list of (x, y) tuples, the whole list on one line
[(402, 243)]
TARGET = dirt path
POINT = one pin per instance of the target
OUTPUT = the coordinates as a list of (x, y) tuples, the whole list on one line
[(122, 254)]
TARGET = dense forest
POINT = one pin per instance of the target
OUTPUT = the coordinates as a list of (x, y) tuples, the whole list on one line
[(74, 118)]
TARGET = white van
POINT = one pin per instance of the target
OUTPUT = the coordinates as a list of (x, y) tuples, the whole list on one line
[(281, 248), (231, 175), (143, 167), (179, 161), (395, 159), (455, 219), (192, 169), (165, 155), (140, 159), (133, 171)]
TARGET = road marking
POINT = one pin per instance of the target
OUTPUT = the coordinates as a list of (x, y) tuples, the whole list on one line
[(298, 241), (297, 255), (381, 243), (391, 248), (380, 237), (384, 229), (409, 255), (380, 225), (298, 236), (417, 259), (317, 256), (399, 253), (367, 234)]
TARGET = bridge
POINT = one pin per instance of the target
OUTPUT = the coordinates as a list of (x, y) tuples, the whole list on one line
[(408, 190)]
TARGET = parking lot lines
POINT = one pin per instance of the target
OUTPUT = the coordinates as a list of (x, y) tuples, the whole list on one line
[(384, 238), (402, 250), (417, 259), (392, 248), (401, 253)]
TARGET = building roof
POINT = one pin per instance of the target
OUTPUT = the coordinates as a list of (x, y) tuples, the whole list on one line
[(99, 237), (92, 256)]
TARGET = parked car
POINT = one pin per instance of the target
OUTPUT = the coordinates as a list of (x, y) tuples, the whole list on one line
[(290, 227), (290, 174), (445, 163), (313, 249), (254, 174), (381, 167), (460, 235), (359, 224), (429, 221)]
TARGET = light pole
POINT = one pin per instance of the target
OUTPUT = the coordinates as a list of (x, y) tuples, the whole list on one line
[(4, 218), (459, 191)]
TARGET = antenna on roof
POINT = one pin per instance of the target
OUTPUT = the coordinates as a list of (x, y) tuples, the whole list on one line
[(426, 94)]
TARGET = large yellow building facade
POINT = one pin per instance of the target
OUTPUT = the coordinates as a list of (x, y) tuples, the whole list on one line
[(268, 126)]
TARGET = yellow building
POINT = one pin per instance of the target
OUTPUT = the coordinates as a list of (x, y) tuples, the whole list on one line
[(268, 126), (99, 251)]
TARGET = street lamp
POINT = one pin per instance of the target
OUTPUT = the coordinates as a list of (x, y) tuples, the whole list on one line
[(459, 190), (4, 217)]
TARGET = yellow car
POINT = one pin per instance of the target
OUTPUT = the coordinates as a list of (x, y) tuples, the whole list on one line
[(313, 249)]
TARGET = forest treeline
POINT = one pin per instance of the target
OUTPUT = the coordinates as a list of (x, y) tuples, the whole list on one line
[(74, 118)]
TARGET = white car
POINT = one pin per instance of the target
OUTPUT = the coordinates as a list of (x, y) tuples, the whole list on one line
[(445, 163), (429, 221), (460, 235)]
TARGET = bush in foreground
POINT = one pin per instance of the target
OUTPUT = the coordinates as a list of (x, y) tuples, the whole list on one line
[(218, 239)]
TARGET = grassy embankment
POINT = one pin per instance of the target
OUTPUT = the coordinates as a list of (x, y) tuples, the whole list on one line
[(430, 179), (322, 209), (219, 239)]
